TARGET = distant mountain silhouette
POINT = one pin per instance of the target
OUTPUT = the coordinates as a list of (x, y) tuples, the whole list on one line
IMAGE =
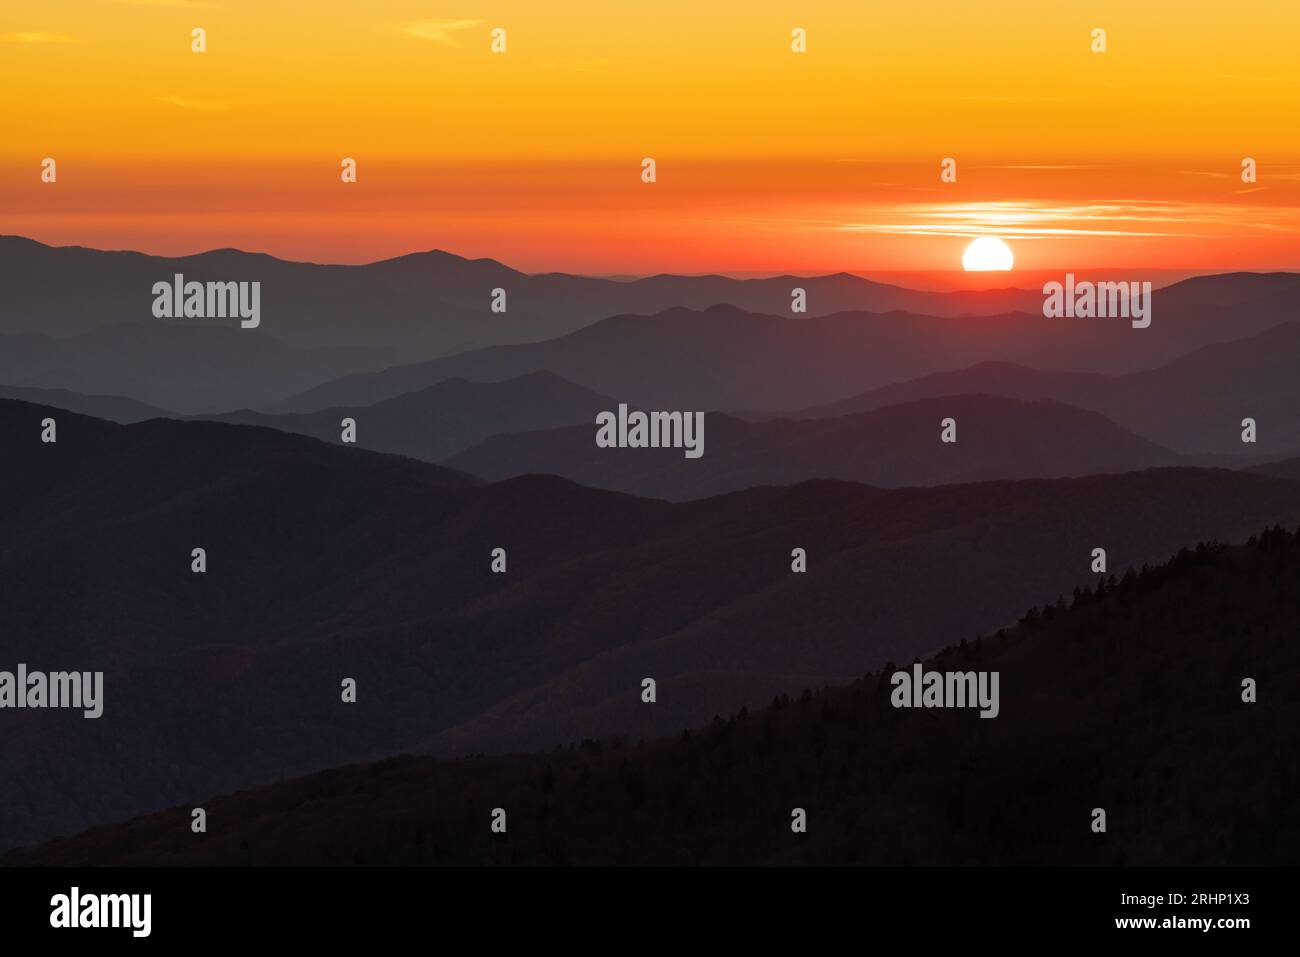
[(1230, 289), (114, 408), (1193, 404), (1129, 699), (435, 423), (326, 562), (419, 305), (81, 320), (894, 446), (187, 370), (725, 358), (1283, 468)]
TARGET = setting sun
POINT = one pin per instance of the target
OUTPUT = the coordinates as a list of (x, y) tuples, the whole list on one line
[(987, 254)]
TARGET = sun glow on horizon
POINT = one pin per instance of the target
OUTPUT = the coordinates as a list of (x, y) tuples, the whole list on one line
[(167, 151), (987, 254)]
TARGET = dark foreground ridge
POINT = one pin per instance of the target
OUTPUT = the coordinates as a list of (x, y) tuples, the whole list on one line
[(327, 563), (1130, 699)]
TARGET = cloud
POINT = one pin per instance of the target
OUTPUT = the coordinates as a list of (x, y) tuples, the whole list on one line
[(1034, 220), (207, 106), (37, 36), (438, 31)]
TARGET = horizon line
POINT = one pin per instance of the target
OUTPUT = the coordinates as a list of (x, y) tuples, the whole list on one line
[(1186, 272)]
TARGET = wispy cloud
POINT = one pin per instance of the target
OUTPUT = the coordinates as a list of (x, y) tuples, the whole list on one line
[(37, 36), (185, 103), (1030, 220), (439, 31)]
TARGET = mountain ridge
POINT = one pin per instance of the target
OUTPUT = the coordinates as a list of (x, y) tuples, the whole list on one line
[(1192, 404), (725, 357), (889, 447), (325, 561), (1092, 714)]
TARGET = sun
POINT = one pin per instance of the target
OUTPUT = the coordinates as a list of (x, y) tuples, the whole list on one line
[(987, 254)]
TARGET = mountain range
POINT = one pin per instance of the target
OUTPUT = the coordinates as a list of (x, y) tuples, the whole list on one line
[(995, 438), (424, 303), (1127, 700), (114, 408), (347, 336), (1192, 404), (325, 562), (180, 369), (725, 358), (437, 422), (500, 588)]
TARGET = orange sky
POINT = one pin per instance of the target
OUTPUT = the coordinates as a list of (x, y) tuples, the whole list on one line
[(767, 160)]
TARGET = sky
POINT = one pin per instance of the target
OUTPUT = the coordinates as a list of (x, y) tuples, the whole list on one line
[(767, 160)]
